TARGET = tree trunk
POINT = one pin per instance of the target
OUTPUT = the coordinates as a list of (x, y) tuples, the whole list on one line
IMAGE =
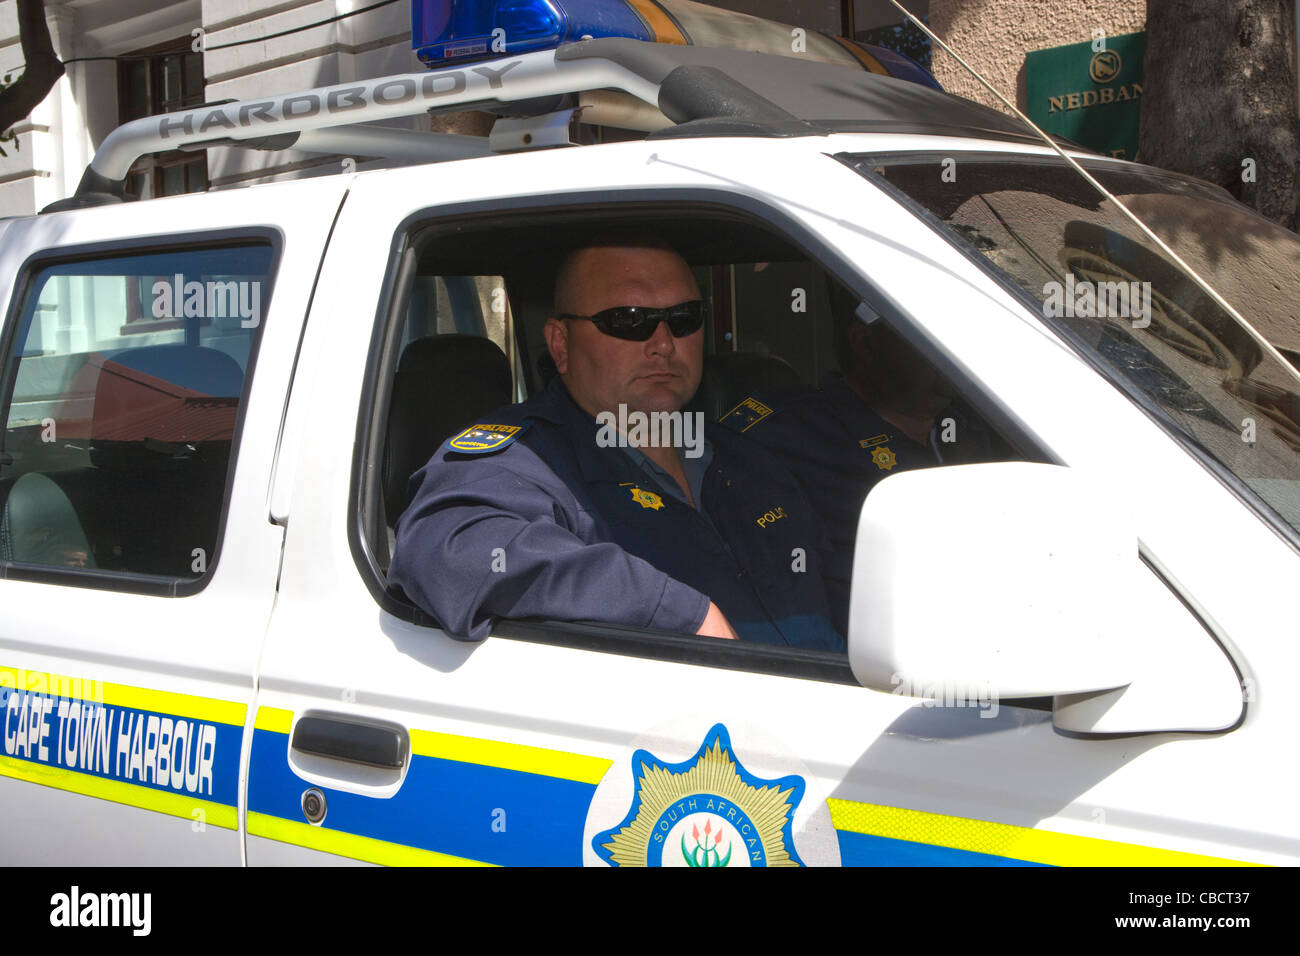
[(1220, 90), (42, 68)]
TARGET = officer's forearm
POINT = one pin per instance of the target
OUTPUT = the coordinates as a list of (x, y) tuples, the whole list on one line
[(468, 568)]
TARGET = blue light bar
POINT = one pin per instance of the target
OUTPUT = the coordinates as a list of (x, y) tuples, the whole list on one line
[(445, 32), (453, 31)]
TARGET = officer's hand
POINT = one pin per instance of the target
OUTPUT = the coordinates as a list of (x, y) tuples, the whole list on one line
[(715, 625)]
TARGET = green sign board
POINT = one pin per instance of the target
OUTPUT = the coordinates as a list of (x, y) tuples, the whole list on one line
[(1089, 92)]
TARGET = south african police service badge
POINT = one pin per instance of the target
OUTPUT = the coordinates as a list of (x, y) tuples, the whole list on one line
[(483, 439), (647, 499), (707, 811)]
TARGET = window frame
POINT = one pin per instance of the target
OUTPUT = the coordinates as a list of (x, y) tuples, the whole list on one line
[(126, 581), (365, 488)]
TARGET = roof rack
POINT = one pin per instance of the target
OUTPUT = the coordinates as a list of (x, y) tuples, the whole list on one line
[(664, 90)]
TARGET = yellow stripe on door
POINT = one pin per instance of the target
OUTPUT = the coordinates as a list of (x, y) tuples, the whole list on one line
[(349, 844), (497, 753), (119, 791), (208, 709), (476, 750)]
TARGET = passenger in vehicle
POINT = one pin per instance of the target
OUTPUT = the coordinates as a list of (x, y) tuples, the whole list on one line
[(600, 500), (888, 411)]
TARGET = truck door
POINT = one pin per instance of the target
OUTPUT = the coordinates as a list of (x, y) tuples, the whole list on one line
[(147, 352), (377, 737)]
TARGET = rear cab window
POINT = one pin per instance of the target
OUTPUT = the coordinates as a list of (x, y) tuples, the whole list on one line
[(123, 387)]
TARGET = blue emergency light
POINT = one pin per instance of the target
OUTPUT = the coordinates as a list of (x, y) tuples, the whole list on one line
[(444, 32), (450, 31)]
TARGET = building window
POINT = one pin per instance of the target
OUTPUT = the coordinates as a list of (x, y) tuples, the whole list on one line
[(169, 77)]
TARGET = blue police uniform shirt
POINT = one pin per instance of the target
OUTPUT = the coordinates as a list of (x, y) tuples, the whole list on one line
[(526, 516), (693, 468), (838, 449)]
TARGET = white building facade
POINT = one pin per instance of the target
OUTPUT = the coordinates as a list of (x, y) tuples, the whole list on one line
[(94, 96)]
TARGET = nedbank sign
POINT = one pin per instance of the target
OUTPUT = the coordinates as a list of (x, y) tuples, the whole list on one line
[(1089, 92)]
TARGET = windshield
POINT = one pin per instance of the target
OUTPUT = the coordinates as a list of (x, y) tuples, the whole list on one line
[(1109, 289)]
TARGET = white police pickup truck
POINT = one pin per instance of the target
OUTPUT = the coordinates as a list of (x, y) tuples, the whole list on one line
[(212, 403)]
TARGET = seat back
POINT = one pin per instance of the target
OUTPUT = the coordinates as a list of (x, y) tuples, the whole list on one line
[(444, 383)]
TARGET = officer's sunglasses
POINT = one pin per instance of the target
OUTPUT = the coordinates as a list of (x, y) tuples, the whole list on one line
[(637, 323)]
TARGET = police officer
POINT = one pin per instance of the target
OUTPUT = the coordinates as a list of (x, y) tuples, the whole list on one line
[(890, 411), (542, 510)]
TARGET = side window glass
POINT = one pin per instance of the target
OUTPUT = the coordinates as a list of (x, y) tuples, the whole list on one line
[(121, 389), (775, 354)]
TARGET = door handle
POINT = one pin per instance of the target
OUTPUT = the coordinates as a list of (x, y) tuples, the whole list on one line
[(343, 739)]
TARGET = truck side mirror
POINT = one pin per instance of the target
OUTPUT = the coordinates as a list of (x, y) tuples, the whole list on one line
[(978, 582)]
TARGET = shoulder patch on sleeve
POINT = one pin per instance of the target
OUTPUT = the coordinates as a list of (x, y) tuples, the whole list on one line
[(485, 439), (746, 415)]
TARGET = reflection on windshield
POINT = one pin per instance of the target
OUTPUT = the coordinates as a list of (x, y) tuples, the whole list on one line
[(1097, 276)]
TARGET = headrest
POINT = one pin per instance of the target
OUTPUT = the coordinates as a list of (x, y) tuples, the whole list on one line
[(732, 376), (443, 384), (39, 525)]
